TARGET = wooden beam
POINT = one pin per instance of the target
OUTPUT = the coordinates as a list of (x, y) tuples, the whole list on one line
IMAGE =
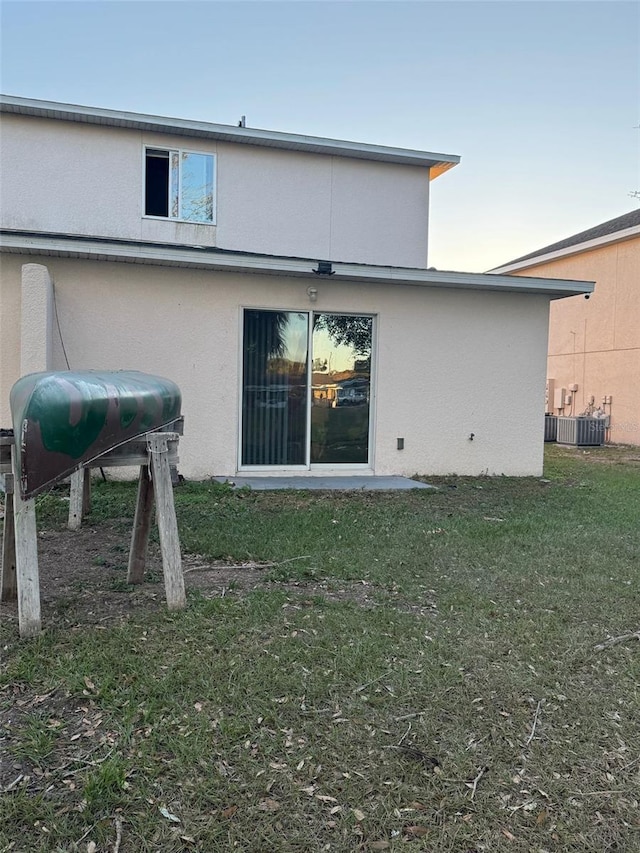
[(8, 589), (76, 500), (27, 574), (141, 527), (86, 492), (158, 444)]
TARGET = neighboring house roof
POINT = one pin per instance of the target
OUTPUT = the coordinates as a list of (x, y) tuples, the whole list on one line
[(199, 257), (436, 163), (614, 230)]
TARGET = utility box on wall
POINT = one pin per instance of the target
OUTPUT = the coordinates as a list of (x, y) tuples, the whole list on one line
[(558, 398), (549, 395), (581, 431)]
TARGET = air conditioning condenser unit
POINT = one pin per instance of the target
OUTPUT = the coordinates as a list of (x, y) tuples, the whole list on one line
[(581, 431)]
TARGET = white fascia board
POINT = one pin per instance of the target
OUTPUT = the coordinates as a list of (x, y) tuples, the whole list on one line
[(465, 280), (151, 254), (576, 249), (271, 265), (436, 163)]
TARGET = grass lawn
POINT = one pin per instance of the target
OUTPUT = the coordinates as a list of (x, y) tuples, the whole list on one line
[(411, 671)]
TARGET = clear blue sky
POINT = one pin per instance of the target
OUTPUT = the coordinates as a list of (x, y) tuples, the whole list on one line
[(541, 99)]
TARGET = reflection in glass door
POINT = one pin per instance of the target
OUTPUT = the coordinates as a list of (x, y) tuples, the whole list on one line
[(340, 389), (306, 389)]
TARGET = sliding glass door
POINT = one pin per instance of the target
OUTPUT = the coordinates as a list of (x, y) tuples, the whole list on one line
[(306, 389), (340, 384), (274, 393)]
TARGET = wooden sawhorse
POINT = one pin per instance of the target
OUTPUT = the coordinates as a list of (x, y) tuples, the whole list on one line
[(154, 453)]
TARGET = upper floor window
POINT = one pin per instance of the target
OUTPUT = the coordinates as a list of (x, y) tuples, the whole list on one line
[(179, 185)]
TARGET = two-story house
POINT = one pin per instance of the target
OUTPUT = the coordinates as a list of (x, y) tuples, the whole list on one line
[(281, 280)]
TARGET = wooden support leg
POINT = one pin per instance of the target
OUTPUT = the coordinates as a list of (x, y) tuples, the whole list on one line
[(76, 500), (141, 527), (27, 575), (86, 492), (9, 590), (167, 523), (79, 497)]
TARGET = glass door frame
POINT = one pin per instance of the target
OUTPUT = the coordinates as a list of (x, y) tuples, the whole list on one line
[(310, 467)]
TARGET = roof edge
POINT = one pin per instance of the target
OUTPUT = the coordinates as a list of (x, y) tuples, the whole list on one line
[(575, 249), (437, 163), (105, 249)]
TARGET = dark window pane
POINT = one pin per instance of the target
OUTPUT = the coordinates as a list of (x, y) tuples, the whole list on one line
[(156, 186)]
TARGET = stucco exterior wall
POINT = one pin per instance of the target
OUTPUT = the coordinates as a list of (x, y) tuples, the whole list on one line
[(36, 319), (26, 326), (66, 177), (10, 321), (447, 363), (595, 343)]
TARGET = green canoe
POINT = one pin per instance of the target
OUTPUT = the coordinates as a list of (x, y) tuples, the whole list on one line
[(64, 419)]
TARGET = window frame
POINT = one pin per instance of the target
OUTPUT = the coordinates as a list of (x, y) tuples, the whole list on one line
[(179, 151)]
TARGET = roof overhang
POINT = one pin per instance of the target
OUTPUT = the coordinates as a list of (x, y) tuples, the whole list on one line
[(435, 163), (196, 257), (567, 251)]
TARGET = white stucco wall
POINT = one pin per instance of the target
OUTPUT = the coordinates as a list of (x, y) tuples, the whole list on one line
[(10, 320), (26, 324), (448, 362), (66, 177), (36, 319), (329, 208)]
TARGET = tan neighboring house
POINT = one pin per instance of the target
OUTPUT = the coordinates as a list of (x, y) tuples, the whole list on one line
[(594, 344), (281, 280)]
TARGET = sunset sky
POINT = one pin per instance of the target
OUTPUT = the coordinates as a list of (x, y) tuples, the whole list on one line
[(540, 99)]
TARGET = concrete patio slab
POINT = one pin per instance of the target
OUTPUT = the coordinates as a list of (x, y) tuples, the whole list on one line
[(346, 483)]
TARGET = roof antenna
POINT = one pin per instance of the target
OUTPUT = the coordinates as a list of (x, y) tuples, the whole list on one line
[(243, 121)]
